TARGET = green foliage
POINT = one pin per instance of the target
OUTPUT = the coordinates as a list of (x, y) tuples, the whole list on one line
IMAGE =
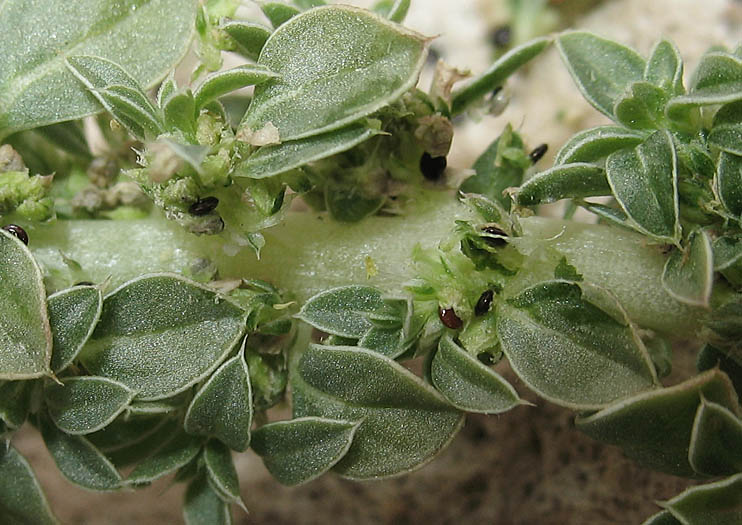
[(21, 498)]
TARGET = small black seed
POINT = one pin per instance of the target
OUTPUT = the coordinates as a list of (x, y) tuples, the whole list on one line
[(486, 358), (538, 152), (484, 302), (495, 242), (203, 206), (449, 318), (84, 283), (18, 232), (501, 36), (432, 167)]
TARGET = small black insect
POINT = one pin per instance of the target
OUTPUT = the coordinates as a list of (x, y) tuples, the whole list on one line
[(486, 358), (432, 167), (449, 318), (501, 36), (538, 152), (203, 206), (484, 302), (18, 232), (495, 242)]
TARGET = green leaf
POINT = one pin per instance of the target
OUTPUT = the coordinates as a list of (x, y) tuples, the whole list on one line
[(688, 275), (135, 451), (223, 82), (178, 451), (25, 336), (497, 73), (22, 500), (73, 313), (569, 350), (15, 402), (602, 69), (654, 428), (665, 68), (388, 341), (594, 144), (222, 408), (119, 93), (179, 111), (343, 311), (126, 430), (711, 357), (467, 383), (280, 158), (203, 506), (716, 442), (729, 182), (35, 45), (404, 422), (331, 91), (300, 450), (160, 334), (642, 107), (222, 474), (248, 37), (398, 12), (563, 182), (346, 204), (726, 133), (718, 503), (168, 87), (79, 461), (81, 405), (662, 518), (644, 182), (278, 13)]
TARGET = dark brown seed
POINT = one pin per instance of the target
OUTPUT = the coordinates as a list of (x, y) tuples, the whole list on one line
[(432, 167), (18, 232), (203, 206), (486, 358), (84, 283), (495, 242), (484, 302), (538, 152), (449, 318), (501, 36)]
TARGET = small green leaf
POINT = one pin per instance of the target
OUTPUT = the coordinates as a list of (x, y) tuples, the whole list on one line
[(22, 500), (711, 357), (160, 334), (249, 37), (662, 518), (222, 408), (125, 430), (300, 450), (689, 274), (654, 428), (729, 182), (25, 336), (178, 451), (278, 13), (280, 158), (404, 422), (718, 503), (602, 69), (726, 133), (716, 442), (179, 111), (398, 12), (342, 311), (73, 314), (644, 182), (203, 506), (168, 88), (388, 341), (78, 460), (569, 350), (468, 384), (222, 474), (497, 73), (131, 453), (642, 107), (331, 91), (15, 402), (81, 405), (223, 82), (563, 182), (594, 144), (665, 68)]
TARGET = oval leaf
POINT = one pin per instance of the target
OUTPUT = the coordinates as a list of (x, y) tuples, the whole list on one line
[(716, 442), (718, 503), (222, 474), (729, 182), (35, 45), (203, 506), (15, 402), (642, 107), (563, 182), (644, 182), (22, 500), (342, 311), (278, 13), (179, 111), (354, 384), (388, 341), (689, 275), (665, 68), (596, 143), (161, 334), (222, 408), (25, 336), (569, 350), (223, 82), (300, 450), (249, 38), (329, 91), (467, 383), (662, 518), (81, 405), (73, 313), (178, 451), (654, 428), (726, 133)]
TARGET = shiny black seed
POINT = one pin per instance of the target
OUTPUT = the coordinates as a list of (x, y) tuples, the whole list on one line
[(501, 36), (486, 358), (484, 302), (538, 152), (432, 167), (449, 318), (203, 206), (18, 232), (495, 242), (84, 283)]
